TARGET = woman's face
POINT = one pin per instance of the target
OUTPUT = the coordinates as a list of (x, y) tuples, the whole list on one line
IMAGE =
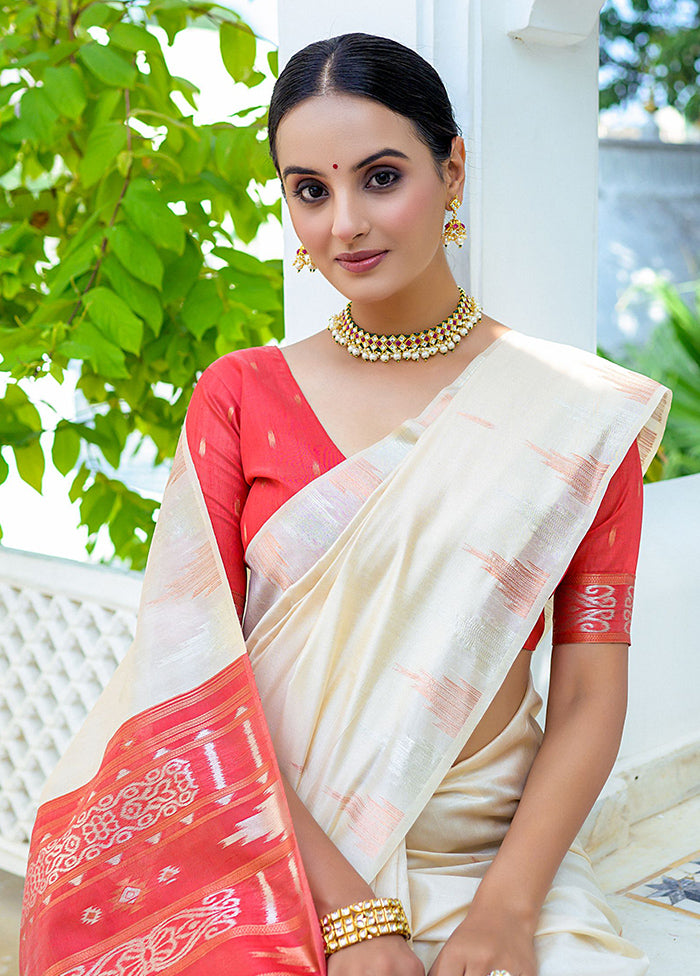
[(364, 194)]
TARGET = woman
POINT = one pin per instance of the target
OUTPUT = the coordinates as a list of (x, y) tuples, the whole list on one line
[(393, 574)]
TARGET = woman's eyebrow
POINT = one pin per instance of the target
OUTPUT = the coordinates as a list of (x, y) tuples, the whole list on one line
[(304, 171), (378, 155), (301, 170)]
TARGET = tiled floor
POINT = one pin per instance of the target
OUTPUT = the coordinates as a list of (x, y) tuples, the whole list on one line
[(677, 887), (653, 883), (657, 849)]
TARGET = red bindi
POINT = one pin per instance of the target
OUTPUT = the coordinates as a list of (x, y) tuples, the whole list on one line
[(335, 166)]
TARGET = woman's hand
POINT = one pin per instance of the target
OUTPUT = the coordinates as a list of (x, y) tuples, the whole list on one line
[(487, 941), (387, 955)]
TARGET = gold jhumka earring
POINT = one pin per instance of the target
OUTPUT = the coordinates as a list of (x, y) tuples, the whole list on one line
[(303, 260), (454, 230)]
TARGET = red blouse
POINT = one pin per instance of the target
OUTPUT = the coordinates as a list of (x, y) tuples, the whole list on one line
[(263, 443)]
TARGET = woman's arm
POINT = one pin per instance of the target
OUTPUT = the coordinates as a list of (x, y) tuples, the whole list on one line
[(334, 883), (585, 716)]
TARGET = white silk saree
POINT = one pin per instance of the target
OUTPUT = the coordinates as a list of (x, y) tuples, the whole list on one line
[(387, 601)]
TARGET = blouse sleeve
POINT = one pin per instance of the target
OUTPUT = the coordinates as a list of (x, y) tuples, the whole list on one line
[(593, 602), (213, 437)]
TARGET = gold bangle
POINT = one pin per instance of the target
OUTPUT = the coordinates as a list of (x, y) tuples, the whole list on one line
[(363, 920)]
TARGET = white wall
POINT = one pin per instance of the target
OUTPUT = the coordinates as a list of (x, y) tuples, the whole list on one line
[(664, 710), (534, 179), (649, 221)]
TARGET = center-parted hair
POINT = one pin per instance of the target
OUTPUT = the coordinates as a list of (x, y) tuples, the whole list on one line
[(370, 67)]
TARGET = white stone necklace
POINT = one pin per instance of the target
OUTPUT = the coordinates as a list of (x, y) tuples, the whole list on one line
[(441, 338)]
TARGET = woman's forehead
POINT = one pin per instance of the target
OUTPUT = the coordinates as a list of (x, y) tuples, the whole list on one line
[(347, 126)]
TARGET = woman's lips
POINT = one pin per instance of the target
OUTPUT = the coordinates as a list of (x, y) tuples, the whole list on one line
[(360, 260)]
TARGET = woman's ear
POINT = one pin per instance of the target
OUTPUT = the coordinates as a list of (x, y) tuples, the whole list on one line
[(455, 169)]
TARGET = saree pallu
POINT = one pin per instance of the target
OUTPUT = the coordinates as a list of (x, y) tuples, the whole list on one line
[(387, 601)]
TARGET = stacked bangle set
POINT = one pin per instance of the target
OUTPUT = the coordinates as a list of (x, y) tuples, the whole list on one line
[(363, 920)]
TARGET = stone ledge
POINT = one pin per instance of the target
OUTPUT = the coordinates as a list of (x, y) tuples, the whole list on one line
[(637, 792)]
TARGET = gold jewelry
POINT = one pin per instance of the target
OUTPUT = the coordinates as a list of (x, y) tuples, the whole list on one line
[(303, 260), (442, 338), (454, 230), (363, 920)]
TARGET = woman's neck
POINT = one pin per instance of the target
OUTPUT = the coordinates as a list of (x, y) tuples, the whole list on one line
[(425, 302)]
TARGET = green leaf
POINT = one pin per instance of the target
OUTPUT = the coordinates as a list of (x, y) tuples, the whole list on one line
[(65, 88), (97, 15), (108, 66), (187, 89), (10, 263), (112, 430), (38, 115), (105, 106), (112, 315), (173, 19), (137, 255), (255, 78), (51, 313), (273, 59), (181, 274), (148, 211), (195, 151), (30, 464), (237, 45), (203, 307), (105, 142), (73, 264), (229, 148), (4, 471), (88, 343), (66, 448), (97, 505), (246, 264), (76, 488), (131, 37), (17, 405), (141, 298), (257, 293)]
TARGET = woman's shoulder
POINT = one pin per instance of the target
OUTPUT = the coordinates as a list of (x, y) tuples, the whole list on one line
[(584, 365), (232, 368)]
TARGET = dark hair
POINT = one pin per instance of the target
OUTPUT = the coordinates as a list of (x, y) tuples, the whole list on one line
[(372, 67)]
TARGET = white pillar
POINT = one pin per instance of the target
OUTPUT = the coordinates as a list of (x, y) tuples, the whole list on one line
[(534, 148), (523, 77)]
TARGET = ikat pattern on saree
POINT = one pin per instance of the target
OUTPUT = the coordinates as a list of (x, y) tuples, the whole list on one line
[(178, 856)]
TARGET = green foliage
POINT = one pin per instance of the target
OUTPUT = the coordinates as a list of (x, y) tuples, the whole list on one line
[(121, 225), (672, 356), (651, 49)]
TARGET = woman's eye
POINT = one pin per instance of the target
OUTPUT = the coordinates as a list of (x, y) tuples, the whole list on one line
[(310, 192), (384, 177)]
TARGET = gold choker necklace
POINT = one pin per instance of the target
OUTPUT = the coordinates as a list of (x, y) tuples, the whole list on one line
[(441, 338)]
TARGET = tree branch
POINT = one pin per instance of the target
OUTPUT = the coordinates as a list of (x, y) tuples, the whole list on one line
[(115, 212)]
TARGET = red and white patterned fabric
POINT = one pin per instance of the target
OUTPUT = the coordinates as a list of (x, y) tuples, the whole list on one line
[(264, 443)]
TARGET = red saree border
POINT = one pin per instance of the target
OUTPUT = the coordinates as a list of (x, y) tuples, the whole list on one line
[(178, 855)]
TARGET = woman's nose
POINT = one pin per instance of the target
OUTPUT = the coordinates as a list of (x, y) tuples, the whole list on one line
[(349, 219)]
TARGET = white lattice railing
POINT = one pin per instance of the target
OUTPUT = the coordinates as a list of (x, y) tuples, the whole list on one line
[(64, 626)]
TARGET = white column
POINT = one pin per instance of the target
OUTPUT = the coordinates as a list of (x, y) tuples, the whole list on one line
[(534, 146), (523, 77)]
